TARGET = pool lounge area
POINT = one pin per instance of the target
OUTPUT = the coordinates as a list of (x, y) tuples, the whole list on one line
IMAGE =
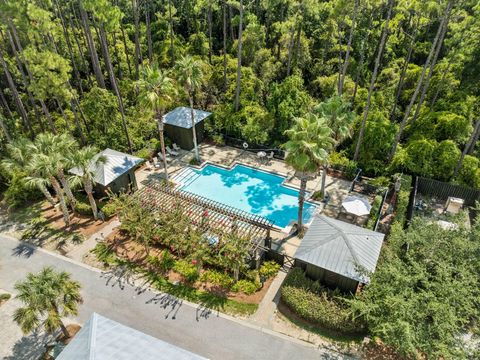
[(246, 188)]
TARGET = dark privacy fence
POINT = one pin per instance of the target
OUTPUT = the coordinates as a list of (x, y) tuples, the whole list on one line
[(443, 190), (238, 143)]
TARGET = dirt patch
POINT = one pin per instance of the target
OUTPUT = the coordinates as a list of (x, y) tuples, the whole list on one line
[(133, 252), (80, 224), (376, 350)]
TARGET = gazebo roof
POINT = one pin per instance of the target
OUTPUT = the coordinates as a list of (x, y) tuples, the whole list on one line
[(182, 117), (105, 339), (340, 247), (117, 164)]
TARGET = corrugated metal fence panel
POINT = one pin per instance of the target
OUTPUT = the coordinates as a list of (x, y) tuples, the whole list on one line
[(444, 190)]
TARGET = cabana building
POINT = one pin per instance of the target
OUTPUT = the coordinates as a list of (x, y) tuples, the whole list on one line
[(116, 174), (178, 126), (105, 339), (339, 254)]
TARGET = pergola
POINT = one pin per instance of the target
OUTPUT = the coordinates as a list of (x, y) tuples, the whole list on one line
[(219, 218)]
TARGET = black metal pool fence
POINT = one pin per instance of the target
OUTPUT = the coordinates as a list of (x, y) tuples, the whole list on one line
[(252, 147)]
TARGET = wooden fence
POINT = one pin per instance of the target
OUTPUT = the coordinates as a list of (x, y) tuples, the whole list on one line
[(444, 190)]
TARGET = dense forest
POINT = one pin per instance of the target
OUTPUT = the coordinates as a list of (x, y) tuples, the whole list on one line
[(407, 69)]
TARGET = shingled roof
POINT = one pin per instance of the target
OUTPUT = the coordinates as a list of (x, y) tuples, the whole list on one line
[(340, 247)]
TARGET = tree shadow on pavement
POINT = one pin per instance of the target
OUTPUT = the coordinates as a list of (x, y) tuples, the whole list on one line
[(29, 347), (24, 250), (167, 301), (119, 275)]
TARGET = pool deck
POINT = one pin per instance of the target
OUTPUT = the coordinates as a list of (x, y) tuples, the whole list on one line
[(227, 156)]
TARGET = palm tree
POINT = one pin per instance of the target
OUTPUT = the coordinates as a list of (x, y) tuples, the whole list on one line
[(190, 75), (47, 165), (47, 297), (156, 90), (310, 139), (61, 148), (339, 118), (20, 154), (86, 160)]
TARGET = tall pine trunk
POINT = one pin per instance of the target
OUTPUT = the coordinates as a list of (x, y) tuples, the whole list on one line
[(398, 136), (239, 59), (108, 64), (148, 31), (403, 73), (170, 19), (209, 16), (138, 53), (124, 39), (92, 49), (194, 132), (468, 145), (224, 5), (432, 67), (5, 104), (16, 96), (383, 40), (349, 46), (4, 129)]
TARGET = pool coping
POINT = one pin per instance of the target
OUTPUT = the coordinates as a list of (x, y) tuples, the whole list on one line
[(285, 229)]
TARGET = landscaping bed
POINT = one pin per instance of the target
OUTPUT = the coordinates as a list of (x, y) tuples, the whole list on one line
[(172, 274)]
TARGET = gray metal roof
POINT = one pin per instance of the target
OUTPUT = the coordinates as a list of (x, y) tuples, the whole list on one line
[(117, 164), (103, 339), (182, 117), (340, 247)]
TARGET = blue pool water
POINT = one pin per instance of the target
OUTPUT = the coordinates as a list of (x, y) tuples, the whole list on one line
[(248, 189)]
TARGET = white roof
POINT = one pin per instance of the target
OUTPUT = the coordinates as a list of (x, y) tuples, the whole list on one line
[(340, 247), (182, 117), (117, 164), (103, 339)]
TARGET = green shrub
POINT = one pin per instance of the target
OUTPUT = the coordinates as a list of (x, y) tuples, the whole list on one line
[(317, 195), (319, 305), (374, 211), (18, 193), (218, 140), (246, 286), (187, 270), (5, 297), (339, 161), (217, 278), (381, 181), (269, 269), (163, 263), (104, 253), (403, 198), (145, 153), (109, 210), (83, 208)]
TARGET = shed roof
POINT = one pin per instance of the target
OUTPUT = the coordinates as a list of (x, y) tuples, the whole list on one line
[(117, 164), (103, 339), (182, 117), (340, 247)]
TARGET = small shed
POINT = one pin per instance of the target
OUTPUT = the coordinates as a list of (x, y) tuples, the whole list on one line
[(116, 174), (339, 254), (105, 339), (178, 126)]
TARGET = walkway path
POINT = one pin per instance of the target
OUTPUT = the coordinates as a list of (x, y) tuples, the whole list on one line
[(78, 251), (193, 327)]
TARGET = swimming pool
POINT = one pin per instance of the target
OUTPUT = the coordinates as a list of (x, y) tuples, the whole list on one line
[(248, 189)]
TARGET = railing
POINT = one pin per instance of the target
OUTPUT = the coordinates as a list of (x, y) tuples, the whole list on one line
[(239, 143)]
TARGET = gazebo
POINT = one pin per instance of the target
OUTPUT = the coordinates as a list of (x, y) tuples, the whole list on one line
[(178, 126), (116, 174), (339, 254)]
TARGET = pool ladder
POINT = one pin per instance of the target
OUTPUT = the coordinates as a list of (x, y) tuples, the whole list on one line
[(186, 177)]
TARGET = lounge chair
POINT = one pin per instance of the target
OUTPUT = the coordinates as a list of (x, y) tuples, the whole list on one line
[(270, 156), (148, 165), (156, 164), (160, 157), (176, 147), (171, 152)]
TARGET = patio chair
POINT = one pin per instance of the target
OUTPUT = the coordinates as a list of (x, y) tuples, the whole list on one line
[(176, 147), (270, 156), (160, 157), (156, 164), (148, 165), (171, 152)]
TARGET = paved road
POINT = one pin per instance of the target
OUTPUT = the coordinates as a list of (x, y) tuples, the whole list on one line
[(212, 335)]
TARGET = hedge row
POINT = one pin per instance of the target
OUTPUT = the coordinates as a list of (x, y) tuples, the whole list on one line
[(318, 305), (403, 198)]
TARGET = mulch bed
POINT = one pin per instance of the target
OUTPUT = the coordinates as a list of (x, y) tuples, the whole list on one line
[(129, 250)]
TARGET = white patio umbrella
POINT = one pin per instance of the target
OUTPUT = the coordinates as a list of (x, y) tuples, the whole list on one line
[(356, 205)]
